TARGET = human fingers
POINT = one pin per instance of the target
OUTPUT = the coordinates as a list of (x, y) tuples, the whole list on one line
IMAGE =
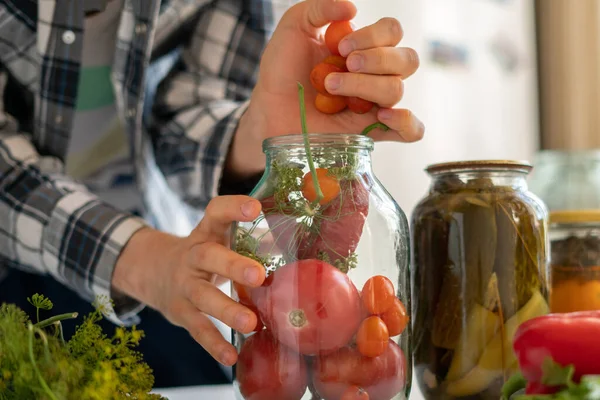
[(401, 122), (401, 61), (384, 90), (222, 211), (387, 32)]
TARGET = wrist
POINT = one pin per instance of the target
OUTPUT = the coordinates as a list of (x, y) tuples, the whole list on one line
[(140, 263)]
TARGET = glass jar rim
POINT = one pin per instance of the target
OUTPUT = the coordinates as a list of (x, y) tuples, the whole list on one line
[(333, 140), (568, 217), (479, 165)]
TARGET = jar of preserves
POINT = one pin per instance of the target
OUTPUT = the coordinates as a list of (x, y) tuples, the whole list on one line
[(334, 308), (479, 270), (575, 260)]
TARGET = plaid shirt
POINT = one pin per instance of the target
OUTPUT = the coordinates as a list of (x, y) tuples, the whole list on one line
[(52, 225)]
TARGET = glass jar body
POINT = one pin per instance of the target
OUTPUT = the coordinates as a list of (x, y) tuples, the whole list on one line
[(479, 270), (575, 262), (323, 330)]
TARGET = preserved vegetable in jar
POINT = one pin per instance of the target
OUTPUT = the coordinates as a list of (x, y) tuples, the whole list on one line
[(575, 260), (479, 270), (334, 310)]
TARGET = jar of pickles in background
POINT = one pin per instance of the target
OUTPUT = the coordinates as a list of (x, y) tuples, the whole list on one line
[(334, 310), (575, 260), (479, 270)]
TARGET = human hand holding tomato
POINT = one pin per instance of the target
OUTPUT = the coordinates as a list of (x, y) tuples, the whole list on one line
[(376, 70)]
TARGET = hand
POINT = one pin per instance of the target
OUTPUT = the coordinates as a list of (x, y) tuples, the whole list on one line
[(176, 275), (377, 70)]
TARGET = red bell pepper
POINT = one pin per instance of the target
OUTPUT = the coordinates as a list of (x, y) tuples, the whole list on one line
[(568, 339), (538, 388)]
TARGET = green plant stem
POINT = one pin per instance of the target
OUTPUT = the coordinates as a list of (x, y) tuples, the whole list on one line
[(37, 313), (376, 125), (311, 163), (59, 328), (51, 320), (34, 363)]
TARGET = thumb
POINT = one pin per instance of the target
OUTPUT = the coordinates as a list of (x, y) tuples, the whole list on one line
[(311, 15)]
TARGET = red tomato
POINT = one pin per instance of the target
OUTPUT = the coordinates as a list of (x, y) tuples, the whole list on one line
[(395, 318), (358, 105), (242, 293), (382, 377), (330, 104), (372, 337), (335, 33), (311, 306), (378, 294), (318, 75), (330, 186), (355, 393), (267, 370), (338, 61)]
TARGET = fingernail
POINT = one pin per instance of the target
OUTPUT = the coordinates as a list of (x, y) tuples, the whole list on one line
[(226, 357), (248, 209), (417, 125), (385, 114), (251, 275), (346, 47), (241, 320), (355, 62), (333, 82)]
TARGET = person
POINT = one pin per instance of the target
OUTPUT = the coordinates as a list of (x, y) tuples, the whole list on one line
[(111, 106)]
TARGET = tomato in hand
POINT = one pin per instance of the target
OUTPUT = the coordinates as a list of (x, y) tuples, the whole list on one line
[(267, 370), (378, 294), (338, 61), (334, 34), (372, 337), (395, 318), (311, 306), (382, 377), (330, 104), (330, 186), (355, 393), (358, 105), (318, 75)]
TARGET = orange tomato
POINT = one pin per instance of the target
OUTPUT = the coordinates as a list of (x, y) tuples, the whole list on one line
[(359, 106), (355, 393), (330, 104), (242, 293), (318, 75), (338, 61), (378, 294), (335, 33), (330, 186), (395, 318), (573, 295), (372, 337)]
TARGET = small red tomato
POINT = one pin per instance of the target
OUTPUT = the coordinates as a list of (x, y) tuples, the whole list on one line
[(318, 75), (267, 370), (330, 104), (330, 186), (372, 337), (311, 306), (381, 377), (359, 106), (242, 293), (335, 33), (378, 294), (338, 61), (355, 393), (395, 318)]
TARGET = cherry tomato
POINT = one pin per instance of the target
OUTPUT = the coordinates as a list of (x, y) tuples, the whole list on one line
[(330, 104), (335, 33), (318, 75), (378, 294), (242, 293), (395, 318), (330, 186), (372, 337), (355, 393), (311, 306), (338, 61), (268, 370), (358, 105), (382, 377)]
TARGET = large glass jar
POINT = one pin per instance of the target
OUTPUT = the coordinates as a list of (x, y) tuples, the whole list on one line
[(334, 309), (479, 270), (575, 261)]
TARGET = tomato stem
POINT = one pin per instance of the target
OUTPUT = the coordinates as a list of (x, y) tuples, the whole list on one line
[(297, 318), (311, 163), (376, 125)]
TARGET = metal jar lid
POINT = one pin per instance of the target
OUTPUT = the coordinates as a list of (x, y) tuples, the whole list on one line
[(575, 216)]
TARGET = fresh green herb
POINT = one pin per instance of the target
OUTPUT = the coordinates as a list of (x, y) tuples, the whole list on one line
[(376, 125), (40, 302), (343, 264), (287, 180), (35, 364)]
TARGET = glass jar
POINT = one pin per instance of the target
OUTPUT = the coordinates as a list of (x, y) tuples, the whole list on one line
[(479, 270), (334, 309), (575, 260)]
